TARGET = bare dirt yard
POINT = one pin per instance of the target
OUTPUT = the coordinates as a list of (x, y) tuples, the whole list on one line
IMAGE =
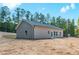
[(9, 45)]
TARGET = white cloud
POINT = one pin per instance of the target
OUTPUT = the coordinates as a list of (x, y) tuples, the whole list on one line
[(63, 9), (43, 8), (72, 6), (67, 8), (11, 4)]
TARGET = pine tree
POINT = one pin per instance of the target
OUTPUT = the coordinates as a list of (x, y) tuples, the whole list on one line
[(72, 28), (53, 21)]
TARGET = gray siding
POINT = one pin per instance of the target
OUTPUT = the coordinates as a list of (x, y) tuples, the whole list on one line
[(41, 32), (21, 31)]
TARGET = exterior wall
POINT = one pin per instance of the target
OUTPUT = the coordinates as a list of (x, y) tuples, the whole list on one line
[(36, 32), (20, 32), (62, 33), (42, 32)]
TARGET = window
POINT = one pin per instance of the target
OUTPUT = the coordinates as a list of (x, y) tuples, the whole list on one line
[(48, 32), (54, 33), (60, 33), (26, 32), (51, 33)]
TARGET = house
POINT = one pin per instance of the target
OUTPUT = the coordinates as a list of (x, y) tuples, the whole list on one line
[(36, 30)]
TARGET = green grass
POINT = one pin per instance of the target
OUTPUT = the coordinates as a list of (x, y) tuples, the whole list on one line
[(10, 36)]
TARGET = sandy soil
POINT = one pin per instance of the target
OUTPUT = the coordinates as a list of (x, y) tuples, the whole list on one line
[(58, 46)]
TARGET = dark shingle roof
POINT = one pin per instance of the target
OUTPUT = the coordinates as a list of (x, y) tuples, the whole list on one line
[(41, 24), (38, 24)]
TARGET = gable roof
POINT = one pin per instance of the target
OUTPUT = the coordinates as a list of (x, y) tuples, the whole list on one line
[(38, 24)]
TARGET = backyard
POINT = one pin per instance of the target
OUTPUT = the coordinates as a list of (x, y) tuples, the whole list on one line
[(9, 45)]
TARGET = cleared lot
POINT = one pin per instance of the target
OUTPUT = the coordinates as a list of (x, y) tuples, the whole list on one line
[(10, 45)]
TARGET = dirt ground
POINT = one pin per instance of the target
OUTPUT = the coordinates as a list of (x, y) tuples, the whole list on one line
[(58, 46)]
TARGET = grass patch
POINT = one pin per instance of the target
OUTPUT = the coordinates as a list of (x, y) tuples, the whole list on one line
[(9, 36)]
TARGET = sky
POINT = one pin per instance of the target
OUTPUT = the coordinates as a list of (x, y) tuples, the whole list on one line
[(65, 10)]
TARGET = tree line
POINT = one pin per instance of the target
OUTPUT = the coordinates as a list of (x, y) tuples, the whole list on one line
[(9, 20)]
